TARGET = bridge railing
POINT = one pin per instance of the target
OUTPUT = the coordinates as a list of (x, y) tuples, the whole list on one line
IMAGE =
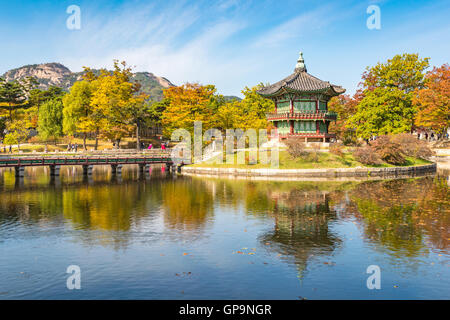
[(85, 160)]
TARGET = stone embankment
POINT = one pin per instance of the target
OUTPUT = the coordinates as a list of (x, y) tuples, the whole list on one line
[(315, 173)]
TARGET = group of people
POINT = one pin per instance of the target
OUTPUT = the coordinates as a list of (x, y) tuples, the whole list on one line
[(164, 146), (432, 136), (72, 147)]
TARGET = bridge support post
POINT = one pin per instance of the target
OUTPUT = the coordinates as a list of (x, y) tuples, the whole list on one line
[(54, 170), (144, 170), (20, 172), (116, 168), (87, 170), (144, 167)]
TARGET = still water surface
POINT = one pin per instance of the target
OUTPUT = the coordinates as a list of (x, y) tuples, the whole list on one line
[(162, 237)]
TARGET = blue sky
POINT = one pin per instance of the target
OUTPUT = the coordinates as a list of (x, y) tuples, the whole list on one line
[(228, 43)]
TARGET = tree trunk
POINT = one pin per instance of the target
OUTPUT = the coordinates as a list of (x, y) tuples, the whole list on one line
[(138, 139), (84, 142), (96, 139)]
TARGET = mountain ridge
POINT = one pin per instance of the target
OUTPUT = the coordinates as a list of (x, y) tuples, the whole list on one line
[(57, 74)]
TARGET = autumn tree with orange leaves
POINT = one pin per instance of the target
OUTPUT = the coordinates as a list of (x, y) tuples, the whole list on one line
[(433, 101), (345, 106)]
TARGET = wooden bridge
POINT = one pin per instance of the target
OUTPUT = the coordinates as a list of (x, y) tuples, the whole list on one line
[(88, 162)]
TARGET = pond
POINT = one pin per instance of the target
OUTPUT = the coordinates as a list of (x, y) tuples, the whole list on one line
[(159, 236)]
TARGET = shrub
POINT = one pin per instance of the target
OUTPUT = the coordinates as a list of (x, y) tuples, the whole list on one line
[(350, 140), (367, 155), (296, 147), (413, 147), (35, 139), (336, 149), (389, 150), (314, 154)]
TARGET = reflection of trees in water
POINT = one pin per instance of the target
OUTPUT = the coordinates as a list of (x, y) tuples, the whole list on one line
[(100, 210), (301, 228), (187, 204), (402, 214)]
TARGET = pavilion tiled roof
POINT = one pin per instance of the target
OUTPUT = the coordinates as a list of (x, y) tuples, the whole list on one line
[(301, 81)]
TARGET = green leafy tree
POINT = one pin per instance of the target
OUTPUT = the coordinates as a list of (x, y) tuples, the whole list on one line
[(38, 97), (19, 129), (51, 119), (78, 115), (383, 111), (2, 127), (255, 103), (10, 139), (13, 96), (387, 89)]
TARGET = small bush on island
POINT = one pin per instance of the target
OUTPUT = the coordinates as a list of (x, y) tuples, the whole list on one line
[(389, 150), (413, 147), (313, 156), (336, 149), (367, 155), (296, 147)]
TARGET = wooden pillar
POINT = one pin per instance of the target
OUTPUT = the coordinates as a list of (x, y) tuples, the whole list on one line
[(291, 130), (20, 172), (144, 168), (54, 170), (116, 168), (87, 170)]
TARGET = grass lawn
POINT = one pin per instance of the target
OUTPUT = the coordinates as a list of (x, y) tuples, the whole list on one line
[(322, 160)]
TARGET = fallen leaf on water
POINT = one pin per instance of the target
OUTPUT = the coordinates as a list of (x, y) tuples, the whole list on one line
[(185, 254), (251, 253)]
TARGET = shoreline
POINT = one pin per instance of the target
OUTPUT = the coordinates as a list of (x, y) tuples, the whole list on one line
[(360, 172)]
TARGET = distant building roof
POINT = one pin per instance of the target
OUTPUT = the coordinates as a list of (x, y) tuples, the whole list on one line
[(301, 81)]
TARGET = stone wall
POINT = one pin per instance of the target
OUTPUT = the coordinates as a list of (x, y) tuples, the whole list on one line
[(332, 173)]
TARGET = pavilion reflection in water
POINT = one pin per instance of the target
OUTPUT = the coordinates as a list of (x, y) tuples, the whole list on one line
[(301, 227)]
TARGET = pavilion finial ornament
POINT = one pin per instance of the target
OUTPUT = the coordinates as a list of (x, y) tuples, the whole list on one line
[(300, 66)]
